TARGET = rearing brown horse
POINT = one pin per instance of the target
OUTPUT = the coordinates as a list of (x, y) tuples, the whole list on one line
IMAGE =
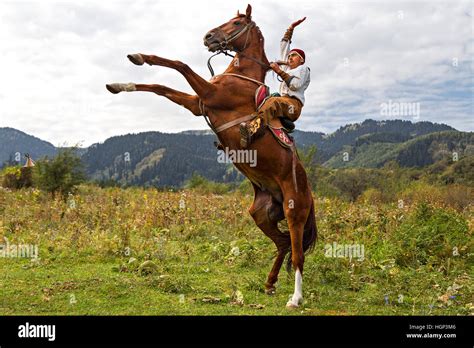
[(280, 185)]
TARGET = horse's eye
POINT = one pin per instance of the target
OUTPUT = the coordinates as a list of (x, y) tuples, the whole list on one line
[(236, 23)]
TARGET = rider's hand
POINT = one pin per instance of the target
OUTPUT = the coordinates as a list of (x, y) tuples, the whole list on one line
[(275, 67), (298, 22)]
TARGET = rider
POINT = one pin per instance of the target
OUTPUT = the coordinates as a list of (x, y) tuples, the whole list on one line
[(296, 78)]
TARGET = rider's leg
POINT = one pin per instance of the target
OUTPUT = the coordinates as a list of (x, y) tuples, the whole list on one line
[(281, 107), (274, 107)]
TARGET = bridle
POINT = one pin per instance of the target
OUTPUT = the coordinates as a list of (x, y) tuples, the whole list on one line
[(235, 35), (225, 46)]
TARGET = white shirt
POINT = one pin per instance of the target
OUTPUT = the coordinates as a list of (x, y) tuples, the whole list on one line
[(301, 76)]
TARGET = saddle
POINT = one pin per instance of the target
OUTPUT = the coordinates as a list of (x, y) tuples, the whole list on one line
[(280, 127), (261, 95)]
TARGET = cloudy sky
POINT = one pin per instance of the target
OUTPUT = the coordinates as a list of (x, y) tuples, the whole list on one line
[(57, 56)]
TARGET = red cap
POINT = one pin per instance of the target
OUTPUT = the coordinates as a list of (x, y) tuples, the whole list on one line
[(299, 52)]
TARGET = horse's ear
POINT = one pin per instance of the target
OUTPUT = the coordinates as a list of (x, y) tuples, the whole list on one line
[(238, 13), (248, 12)]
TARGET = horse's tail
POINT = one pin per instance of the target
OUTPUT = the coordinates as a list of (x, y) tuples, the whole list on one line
[(310, 230), (310, 235)]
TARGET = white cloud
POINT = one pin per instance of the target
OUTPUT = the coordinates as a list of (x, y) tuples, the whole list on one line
[(57, 56)]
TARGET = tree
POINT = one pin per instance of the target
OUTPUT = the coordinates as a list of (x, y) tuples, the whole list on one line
[(61, 174), (307, 157), (351, 182)]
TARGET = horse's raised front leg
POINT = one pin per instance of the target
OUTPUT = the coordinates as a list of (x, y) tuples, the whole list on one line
[(203, 88), (190, 102)]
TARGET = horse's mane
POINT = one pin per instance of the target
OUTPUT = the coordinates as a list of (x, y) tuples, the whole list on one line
[(260, 37)]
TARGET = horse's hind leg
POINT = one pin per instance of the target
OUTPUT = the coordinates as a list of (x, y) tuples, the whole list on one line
[(190, 102), (267, 212)]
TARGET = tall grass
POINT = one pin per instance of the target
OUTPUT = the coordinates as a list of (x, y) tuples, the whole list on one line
[(204, 246)]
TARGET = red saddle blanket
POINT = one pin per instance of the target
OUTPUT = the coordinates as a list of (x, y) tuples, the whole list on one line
[(261, 94), (283, 138)]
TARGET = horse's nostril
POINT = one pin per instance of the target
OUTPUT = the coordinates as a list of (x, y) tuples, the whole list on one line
[(209, 35)]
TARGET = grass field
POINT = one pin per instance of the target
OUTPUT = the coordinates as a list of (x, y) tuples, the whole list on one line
[(140, 251)]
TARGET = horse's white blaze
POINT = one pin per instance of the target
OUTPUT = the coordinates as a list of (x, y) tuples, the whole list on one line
[(298, 294)]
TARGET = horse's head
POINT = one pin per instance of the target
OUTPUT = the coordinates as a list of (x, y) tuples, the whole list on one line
[(233, 35)]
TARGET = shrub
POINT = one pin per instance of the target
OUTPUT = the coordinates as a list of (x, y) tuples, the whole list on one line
[(419, 192), (61, 174), (202, 185), (372, 196), (430, 235), (17, 177), (458, 197), (350, 182)]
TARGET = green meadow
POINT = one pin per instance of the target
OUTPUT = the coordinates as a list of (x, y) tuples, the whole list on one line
[(137, 251)]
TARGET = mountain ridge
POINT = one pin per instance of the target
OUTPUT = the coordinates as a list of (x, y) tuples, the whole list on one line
[(170, 159)]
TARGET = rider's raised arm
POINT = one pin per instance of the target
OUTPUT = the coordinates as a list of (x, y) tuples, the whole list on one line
[(286, 41), (285, 44)]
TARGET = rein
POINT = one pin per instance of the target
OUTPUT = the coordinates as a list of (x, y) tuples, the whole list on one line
[(209, 66), (243, 55)]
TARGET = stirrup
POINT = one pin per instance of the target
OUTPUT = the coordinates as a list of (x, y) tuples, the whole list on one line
[(245, 136)]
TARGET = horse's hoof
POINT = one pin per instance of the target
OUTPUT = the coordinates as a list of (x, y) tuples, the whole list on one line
[(112, 88), (270, 291), (294, 302), (291, 305), (136, 59)]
